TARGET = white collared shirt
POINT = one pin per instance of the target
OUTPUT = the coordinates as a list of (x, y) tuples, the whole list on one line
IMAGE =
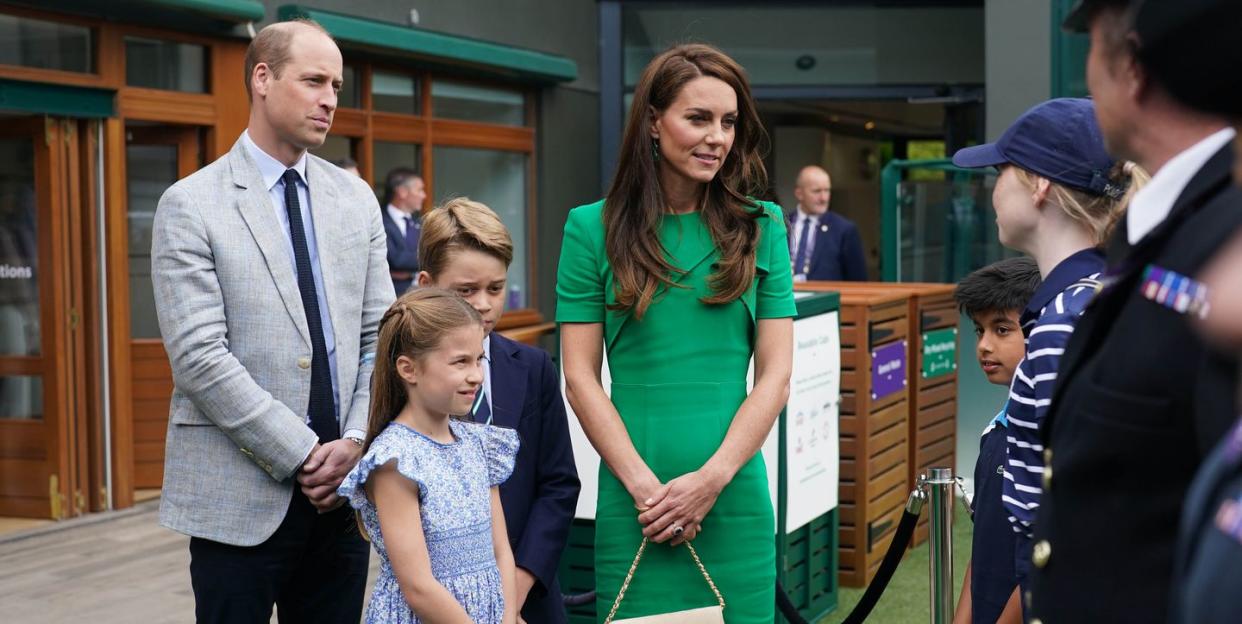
[(272, 171), (399, 217), (1152, 203), (487, 373)]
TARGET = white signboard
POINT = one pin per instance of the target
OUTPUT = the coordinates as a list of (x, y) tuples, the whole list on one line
[(812, 417), (585, 457)]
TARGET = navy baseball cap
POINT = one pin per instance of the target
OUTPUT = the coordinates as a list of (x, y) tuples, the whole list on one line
[(1059, 140)]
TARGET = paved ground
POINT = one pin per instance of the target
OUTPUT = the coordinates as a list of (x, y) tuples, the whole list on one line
[(116, 568), (123, 568)]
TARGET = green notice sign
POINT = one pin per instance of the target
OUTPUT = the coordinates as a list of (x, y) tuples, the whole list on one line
[(939, 352)]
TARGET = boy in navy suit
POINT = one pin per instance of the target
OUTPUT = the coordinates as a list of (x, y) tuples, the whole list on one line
[(465, 248)]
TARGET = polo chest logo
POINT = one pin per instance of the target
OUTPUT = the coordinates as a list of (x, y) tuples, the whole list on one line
[(1174, 291)]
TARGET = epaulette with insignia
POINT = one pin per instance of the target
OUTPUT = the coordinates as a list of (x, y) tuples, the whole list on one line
[(1174, 291)]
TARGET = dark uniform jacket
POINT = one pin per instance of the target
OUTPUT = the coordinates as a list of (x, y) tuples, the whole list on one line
[(1209, 552), (1139, 403)]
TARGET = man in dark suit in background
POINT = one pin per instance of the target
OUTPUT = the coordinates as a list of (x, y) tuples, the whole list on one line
[(404, 194), (1140, 398), (822, 245)]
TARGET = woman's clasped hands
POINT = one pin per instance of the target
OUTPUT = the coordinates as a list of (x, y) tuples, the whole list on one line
[(675, 510)]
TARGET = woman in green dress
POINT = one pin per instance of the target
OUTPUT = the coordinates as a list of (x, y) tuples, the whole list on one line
[(680, 277)]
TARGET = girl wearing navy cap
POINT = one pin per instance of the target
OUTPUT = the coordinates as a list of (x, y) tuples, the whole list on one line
[(1057, 198)]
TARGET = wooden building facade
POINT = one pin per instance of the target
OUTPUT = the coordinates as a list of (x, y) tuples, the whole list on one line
[(102, 107)]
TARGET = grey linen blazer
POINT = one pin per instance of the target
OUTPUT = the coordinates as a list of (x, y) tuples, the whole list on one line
[(231, 315)]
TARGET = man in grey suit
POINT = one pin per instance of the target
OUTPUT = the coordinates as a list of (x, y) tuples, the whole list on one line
[(270, 279)]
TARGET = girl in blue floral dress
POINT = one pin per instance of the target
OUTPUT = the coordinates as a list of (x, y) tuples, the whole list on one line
[(426, 487)]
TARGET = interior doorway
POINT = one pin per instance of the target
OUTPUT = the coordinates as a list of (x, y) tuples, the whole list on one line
[(853, 139)]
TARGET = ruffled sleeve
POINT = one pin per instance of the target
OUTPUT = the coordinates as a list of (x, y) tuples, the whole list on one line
[(384, 450), (500, 447)]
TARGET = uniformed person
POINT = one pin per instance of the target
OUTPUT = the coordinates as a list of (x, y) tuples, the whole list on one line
[(1141, 399), (1192, 47)]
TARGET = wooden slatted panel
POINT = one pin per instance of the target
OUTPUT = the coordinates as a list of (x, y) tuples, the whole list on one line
[(932, 401), (152, 390), (874, 435), (933, 408)]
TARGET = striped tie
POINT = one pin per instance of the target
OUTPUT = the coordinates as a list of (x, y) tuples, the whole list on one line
[(482, 411)]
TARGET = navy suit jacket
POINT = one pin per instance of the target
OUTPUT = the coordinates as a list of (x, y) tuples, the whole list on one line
[(400, 257), (838, 251), (540, 496)]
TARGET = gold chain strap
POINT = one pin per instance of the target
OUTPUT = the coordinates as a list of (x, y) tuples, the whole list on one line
[(629, 576)]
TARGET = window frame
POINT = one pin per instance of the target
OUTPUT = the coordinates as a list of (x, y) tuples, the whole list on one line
[(364, 125)]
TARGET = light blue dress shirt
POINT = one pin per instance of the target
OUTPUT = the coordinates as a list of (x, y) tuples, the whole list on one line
[(272, 171)]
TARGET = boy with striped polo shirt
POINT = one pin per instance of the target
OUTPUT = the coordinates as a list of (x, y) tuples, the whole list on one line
[(1056, 199)]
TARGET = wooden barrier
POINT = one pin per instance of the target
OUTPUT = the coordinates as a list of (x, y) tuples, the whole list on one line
[(874, 428), (932, 420)]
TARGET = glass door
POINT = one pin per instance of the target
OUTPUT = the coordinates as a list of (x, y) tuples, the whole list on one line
[(41, 473)]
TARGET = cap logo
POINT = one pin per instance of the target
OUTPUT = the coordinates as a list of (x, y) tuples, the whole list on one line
[(1102, 185)]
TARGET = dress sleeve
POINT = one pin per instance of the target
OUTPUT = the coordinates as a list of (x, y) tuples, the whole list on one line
[(383, 451), (579, 286), (500, 447), (775, 293)]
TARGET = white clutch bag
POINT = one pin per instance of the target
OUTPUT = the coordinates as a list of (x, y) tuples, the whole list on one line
[(702, 615)]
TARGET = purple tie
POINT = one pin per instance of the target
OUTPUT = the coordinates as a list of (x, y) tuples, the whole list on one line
[(412, 230), (800, 254)]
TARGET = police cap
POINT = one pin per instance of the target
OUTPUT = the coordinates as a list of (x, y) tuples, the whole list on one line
[(1191, 47), (1079, 17)]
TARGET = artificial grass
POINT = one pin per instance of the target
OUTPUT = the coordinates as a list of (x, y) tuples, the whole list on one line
[(907, 597)]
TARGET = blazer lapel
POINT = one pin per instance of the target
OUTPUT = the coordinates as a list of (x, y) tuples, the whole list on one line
[(1123, 278), (328, 232), (508, 382), (257, 210)]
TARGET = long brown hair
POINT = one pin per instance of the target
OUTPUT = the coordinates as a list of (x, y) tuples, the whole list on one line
[(635, 203), (413, 326)]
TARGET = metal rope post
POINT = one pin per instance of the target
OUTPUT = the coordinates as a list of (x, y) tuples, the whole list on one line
[(939, 483)]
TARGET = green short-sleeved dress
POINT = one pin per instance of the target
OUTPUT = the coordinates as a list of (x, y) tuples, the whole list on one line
[(678, 378)]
